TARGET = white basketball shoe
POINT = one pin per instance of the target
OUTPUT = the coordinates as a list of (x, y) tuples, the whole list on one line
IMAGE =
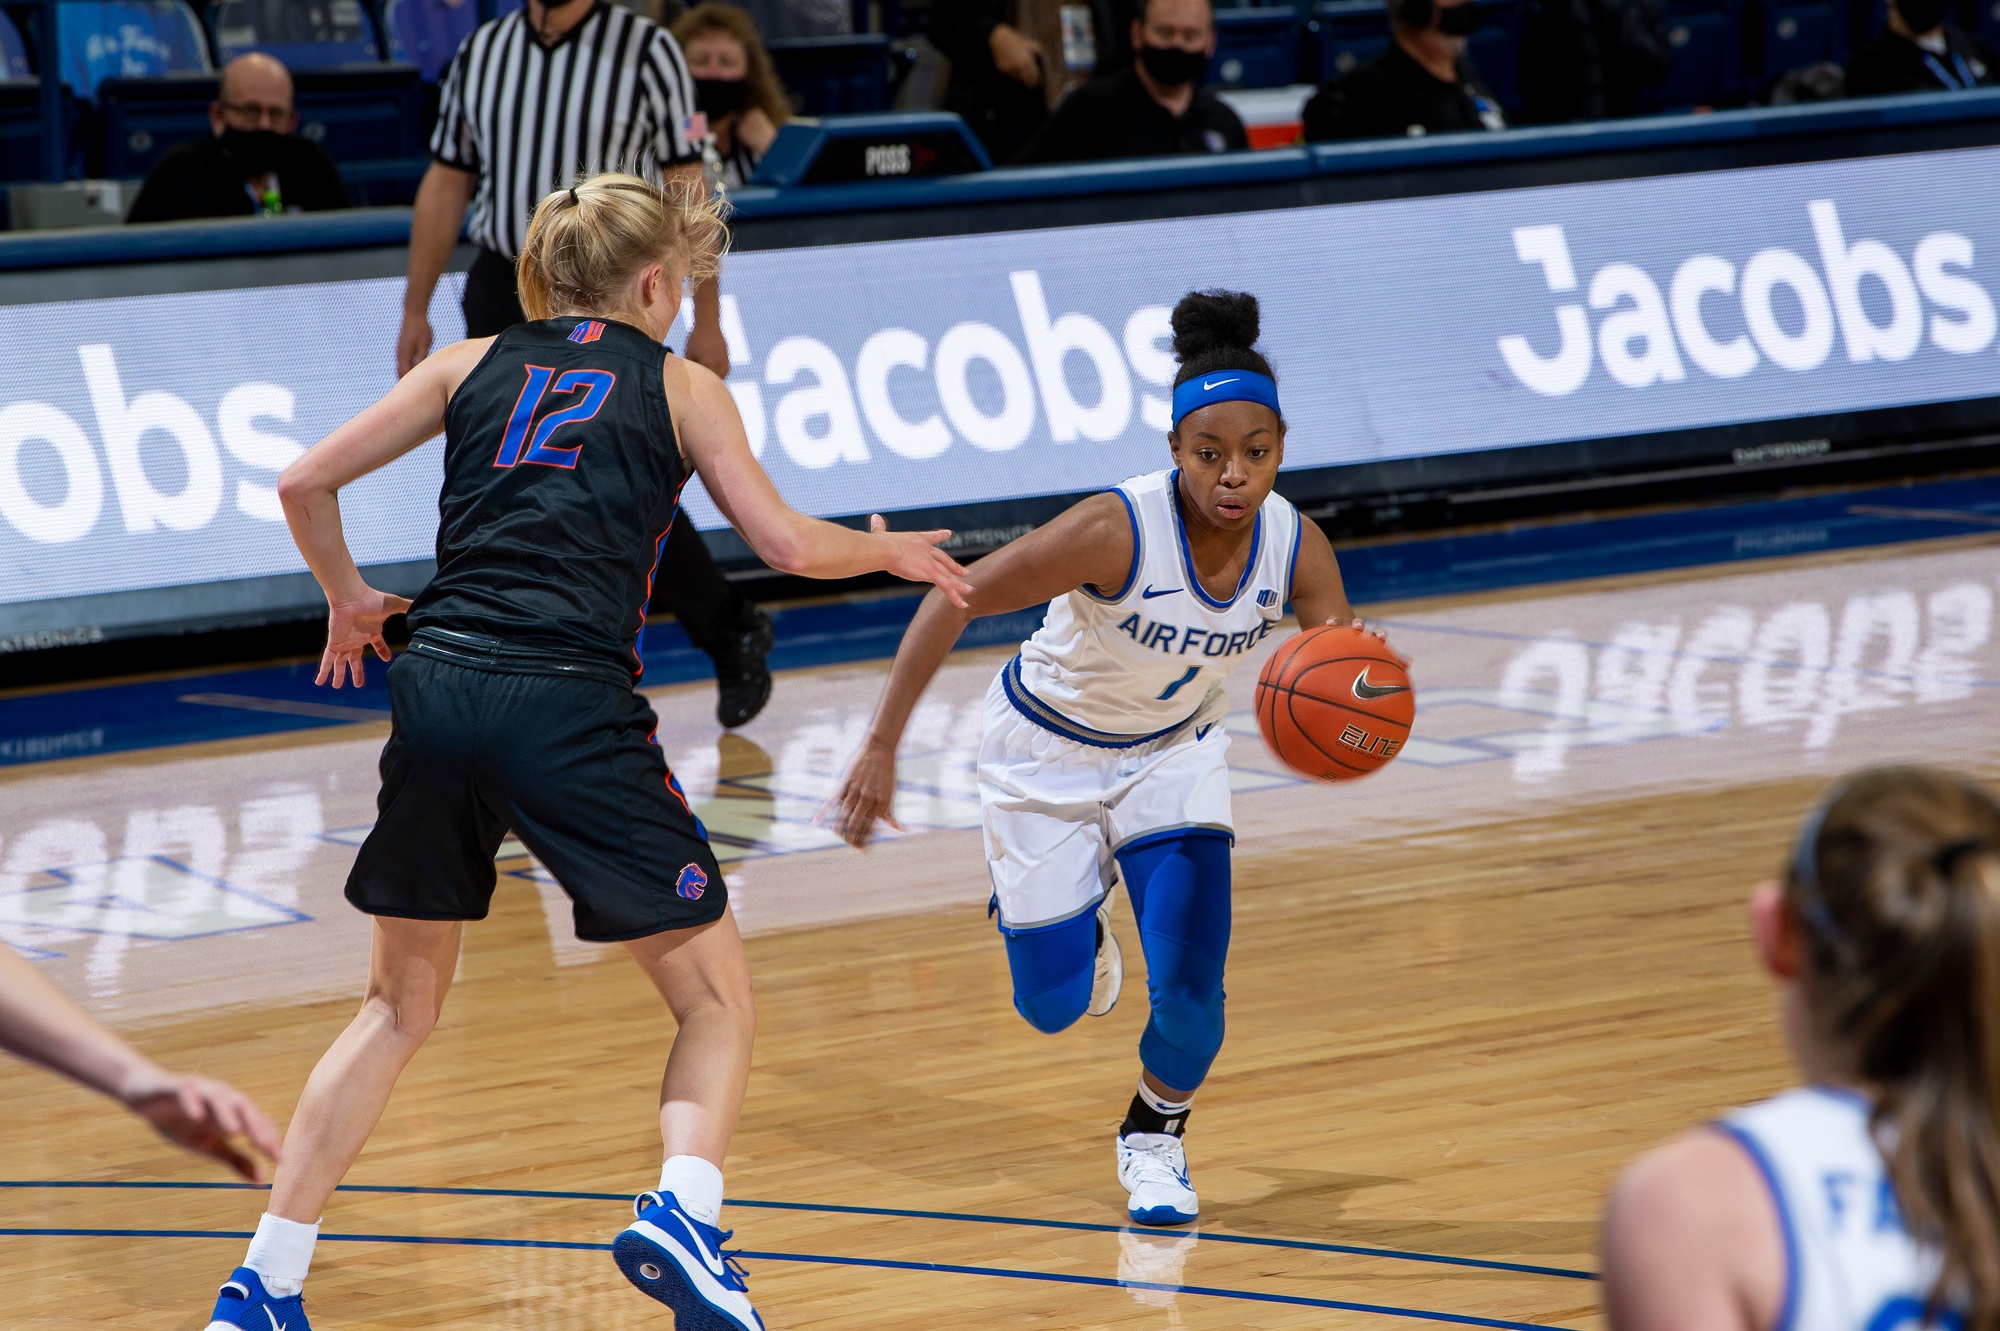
[(1152, 1167), (1110, 976)]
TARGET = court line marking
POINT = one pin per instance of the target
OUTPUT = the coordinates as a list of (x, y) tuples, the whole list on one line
[(879, 1263), (1307, 1245), (1465, 631)]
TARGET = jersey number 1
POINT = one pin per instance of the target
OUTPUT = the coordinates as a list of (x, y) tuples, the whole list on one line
[(527, 440)]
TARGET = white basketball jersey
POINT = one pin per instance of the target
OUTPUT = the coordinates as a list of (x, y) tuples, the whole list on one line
[(1121, 669), (1852, 1266)]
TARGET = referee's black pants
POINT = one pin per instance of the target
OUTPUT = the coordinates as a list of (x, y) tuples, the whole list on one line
[(695, 593)]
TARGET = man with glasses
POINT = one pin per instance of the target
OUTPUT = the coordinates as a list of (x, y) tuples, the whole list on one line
[(253, 164)]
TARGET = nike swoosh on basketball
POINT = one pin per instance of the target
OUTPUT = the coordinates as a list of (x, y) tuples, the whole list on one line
[(1364, 690), (1206, 386), (1149, 593), (712, 1263)]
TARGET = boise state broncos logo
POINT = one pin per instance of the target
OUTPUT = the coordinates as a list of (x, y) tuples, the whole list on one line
[(692, 882)]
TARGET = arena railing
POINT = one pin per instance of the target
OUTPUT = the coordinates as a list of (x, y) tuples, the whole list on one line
[(1645, 146)]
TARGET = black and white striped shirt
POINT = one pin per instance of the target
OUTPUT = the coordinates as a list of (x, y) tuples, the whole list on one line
[(613, 94)]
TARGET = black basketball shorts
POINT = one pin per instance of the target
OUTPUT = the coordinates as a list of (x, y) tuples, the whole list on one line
[(569, 764)]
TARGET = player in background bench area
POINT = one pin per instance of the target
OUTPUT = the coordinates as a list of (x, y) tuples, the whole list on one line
[(511, 127)]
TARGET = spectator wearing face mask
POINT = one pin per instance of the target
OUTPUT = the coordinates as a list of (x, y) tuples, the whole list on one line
[(253, 164), (1153, 107), (735, 86), (1422, 83), (1013, 61), (1919, 52)]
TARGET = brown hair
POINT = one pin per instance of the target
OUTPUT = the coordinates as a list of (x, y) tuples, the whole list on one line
[(1895, 884), (586, 243), (763, 89)]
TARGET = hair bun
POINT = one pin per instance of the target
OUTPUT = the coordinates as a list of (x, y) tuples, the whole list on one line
[(1206, 321)]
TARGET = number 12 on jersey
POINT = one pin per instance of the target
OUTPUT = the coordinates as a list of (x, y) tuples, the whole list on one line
[(527, 438)]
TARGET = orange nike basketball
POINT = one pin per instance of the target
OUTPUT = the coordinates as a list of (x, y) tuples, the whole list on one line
[(1335, 703)]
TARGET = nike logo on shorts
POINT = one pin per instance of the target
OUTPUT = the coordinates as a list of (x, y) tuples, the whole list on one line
[(1365, 691)]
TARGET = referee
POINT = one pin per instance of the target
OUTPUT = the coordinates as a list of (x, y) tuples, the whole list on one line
[(535, 101)]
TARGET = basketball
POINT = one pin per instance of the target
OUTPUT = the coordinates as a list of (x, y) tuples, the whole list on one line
[(1335, 703)]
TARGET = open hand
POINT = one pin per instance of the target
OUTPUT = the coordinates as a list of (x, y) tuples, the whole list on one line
[(915, 556), (867, 795), (206, 1116), (352, 627)]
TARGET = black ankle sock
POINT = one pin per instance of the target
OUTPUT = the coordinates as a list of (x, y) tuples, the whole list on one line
[(1142, 1117)]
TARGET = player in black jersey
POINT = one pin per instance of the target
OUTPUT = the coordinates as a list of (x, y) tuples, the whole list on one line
[(567, 441)]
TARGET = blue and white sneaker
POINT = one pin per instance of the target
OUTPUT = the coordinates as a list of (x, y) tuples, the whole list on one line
[(1152, 1167), (678, 1260), (244, 1302)]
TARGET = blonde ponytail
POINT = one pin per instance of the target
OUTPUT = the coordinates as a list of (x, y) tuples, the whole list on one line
[(586, 243)]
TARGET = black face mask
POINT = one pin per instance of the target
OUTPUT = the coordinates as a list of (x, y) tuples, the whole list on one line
[(1459, 20), (1171, 67), (1920, 16), (255, 151), (716, 98)]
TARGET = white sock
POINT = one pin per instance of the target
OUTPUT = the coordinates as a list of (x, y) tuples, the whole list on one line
[(696, 1185), (1159, 1104), (280, 1253)]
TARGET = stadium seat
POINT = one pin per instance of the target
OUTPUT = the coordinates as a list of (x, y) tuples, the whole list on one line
[(1496, 50), (21, 128), (427, 33), (304, 34), (356, 115), (1791, 34), (1986, 22), (1255, 48), (103, 39), (13, 51), (835, 75), (1347, 34), (1707, 37)]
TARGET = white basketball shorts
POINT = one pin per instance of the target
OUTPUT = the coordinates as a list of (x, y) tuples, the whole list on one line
[(1056, 812)]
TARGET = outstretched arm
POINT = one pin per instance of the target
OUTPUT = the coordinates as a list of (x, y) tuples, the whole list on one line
[(412, 412), (711, 436), (1318, 595), (1091, 543), (41, 1025)]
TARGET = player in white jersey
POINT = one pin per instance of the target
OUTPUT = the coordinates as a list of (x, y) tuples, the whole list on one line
[(1868, 1200), (1104, 749)]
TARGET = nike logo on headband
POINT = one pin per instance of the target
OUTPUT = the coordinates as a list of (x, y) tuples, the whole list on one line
[(1208, 387)]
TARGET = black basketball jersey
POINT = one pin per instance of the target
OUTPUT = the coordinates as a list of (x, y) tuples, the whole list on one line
[(561, 477)]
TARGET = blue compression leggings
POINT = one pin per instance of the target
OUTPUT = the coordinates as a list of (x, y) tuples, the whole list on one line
[(1179, 885)]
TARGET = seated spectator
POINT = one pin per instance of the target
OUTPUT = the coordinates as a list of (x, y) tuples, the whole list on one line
[(1012, 61), (735, 86), (1590, 59), (1155, 105), (1919, 52), (253, 164), (1423, 83)]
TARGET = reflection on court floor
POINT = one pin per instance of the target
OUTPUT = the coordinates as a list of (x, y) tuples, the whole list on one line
[(142, 881)]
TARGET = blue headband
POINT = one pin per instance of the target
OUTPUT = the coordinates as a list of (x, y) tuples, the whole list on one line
[(1223, 386)]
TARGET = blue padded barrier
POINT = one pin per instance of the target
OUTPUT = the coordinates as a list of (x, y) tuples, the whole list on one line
[(1255, 48), (363, 228)]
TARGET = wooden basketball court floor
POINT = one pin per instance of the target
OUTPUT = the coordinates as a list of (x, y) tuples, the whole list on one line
[(1461, 993)]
